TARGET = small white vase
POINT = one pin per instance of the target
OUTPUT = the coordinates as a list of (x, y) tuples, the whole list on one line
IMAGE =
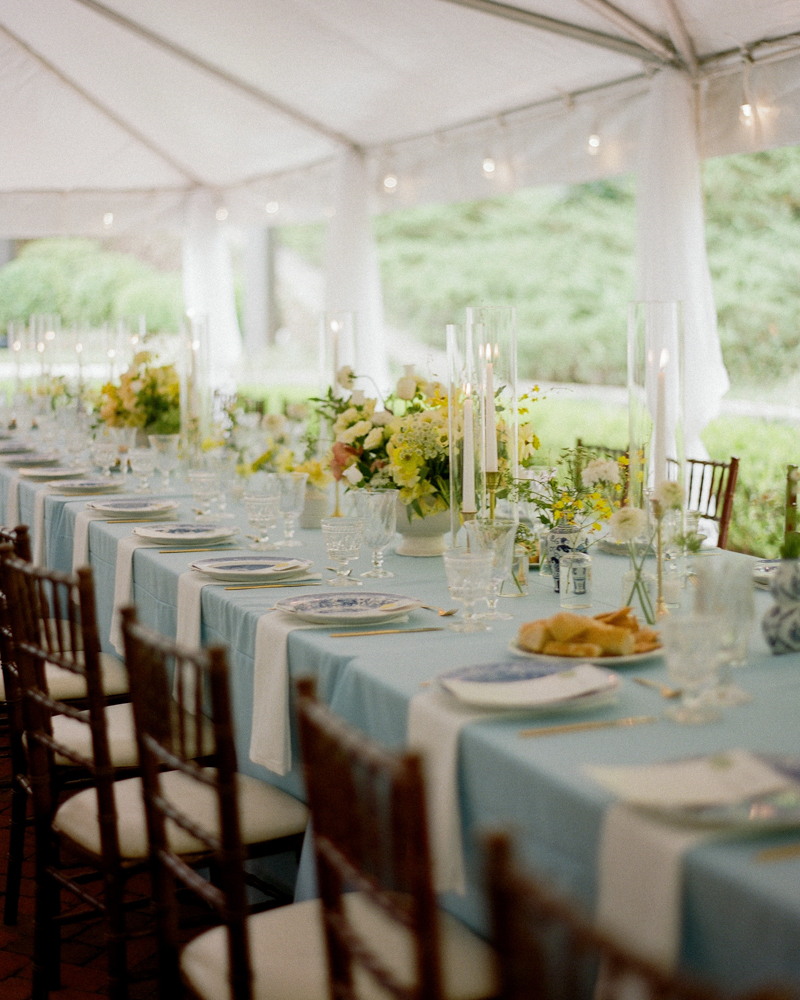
[(317, 506), (422, 536)]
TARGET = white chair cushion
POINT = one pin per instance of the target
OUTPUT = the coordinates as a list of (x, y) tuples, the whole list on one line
[(120, 730), (287, 952), (65, 686), (266, 813)]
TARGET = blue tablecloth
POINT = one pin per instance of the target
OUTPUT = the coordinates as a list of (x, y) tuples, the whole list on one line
[(741, 919)]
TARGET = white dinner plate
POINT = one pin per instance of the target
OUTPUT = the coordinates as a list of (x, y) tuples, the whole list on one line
[(45, 472), (78, 487), (15, 449), (246, 569), (606, 661), (347, 609), (186, 533), (522, 685), (132, 506), (29, 459)]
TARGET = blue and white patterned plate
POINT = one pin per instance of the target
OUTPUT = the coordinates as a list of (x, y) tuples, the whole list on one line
[(77, 487), (246, 569), (131, 506), (347, 609), (521, 685), (32, 458), (39, 473), (185, 534)]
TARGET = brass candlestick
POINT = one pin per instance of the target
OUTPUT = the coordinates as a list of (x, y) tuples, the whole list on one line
[(661, 607), (492, 484), (337, 510)]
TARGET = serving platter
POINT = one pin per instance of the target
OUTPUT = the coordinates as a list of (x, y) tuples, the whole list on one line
[(251, 569), (181, 534), (347, 609), (519, 684), (611, 661), (133, 506)]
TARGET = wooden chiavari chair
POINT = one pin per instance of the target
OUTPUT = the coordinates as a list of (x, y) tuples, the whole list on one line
[(790, 521), (710, 489), (546, 950)]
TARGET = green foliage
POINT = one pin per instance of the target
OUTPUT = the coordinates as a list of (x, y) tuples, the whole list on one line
[(791, 546), (80, 281)]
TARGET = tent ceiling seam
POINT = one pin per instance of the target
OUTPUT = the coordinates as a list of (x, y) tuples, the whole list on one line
[(597, 38), (634, 29), (99, 106), (238, 83), (680, 36)]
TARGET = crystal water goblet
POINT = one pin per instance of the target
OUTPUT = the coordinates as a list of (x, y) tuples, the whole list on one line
[(223, 463), (142, 466), (262, 516), (691, 648), (342, 536), (293, 498), (379, 510), (468, 575), (496, 539), (104, 455), (204, 485), (165, 447)]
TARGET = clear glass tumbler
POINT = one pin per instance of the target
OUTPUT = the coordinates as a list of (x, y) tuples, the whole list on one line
[(166, 455), (293, 499), (142, 466), (343, 537), (379, 510), (262, 516), (204, 486), (575, 583), (495, 538), (104, 455), (691, 647), (468, 577)]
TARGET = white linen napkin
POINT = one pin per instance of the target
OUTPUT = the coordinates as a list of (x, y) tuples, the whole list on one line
[(435, 721), (270, 738), (80, 537), (123, 586), (12, 502), (190, 587), (39, 539)]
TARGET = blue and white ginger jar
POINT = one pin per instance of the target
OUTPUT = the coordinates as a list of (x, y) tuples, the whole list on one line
[(781, 623)]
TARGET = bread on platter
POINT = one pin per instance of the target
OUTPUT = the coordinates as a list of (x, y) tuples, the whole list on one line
[(612, 633)]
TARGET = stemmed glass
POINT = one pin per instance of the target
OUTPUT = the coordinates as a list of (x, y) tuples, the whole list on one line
[(224, 465), (262, 516), (468, 576), (342, 537), (293, 498), (691, 648), (496, 539), (166, 455), (379, 510), (104, 455), (204, 486), (142, 466)]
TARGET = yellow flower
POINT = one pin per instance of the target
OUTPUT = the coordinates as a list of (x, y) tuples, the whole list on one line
[(285, 460)]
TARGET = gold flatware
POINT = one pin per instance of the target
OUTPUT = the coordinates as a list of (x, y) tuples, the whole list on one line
[(583, 727), (783, 853), (442, 612), (386, 631), (663, 689), (134, 520), (217, 548), (271, 586)]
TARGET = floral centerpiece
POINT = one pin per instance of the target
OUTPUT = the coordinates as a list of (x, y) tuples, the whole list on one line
[(580, 495), (148, 397)]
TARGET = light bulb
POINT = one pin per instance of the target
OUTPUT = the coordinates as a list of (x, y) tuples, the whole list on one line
[(747, 115), (594, 144), (390, 183), (489, 166), (271, 207), (221, 214), (108, 219)]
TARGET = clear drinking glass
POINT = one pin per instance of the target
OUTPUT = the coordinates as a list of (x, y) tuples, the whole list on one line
[(379, 510), (165, 447), (691, 647), (223, 463), (204, 486), (125, 438), (575, 583), (293, 498), (104, 455), (494, 538), (468, 576), (142, 466), (262, 516), (343, 536)]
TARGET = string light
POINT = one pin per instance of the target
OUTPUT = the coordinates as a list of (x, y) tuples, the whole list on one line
[(489, 166), (221, 214), (747, 115), (272, 207), (593, 146), (390, 183), (108, 219)]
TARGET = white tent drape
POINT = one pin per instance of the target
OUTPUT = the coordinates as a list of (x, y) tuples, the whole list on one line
[(672, 263), (208, 284), (353, 282)]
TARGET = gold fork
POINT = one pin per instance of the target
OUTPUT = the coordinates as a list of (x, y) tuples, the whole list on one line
[(442, 612)]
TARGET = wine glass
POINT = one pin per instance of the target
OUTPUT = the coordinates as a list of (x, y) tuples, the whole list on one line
[(166, 455), (342, 536), (293, 498), (379, 510), (262, 516), (468, 576), (104, 455), (691, 648), (142, 466), (204, 486), (496, 539)]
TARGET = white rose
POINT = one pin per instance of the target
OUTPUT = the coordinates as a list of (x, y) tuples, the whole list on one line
[(349, 436), (352, 474), (406, 387), (345, 376), (373, 439), (382, 418)]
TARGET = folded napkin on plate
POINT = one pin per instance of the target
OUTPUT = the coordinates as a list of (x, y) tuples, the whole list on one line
[(123, 586), (640, 863), (270, 737), (39, 538), (12, 501)]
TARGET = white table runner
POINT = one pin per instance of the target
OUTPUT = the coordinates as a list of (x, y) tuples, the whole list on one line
[(39, 537), (80, 538), (123, 586)]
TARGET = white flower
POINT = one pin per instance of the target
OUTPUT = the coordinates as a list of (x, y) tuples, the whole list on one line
[(353, 474), (274, 423), (406, 387), (345, 376), (296, 411), (349, 436), (373, 439), (382, 418), (627, 524), (345, 419), (358, 397), (432, 389), (600, 470), (670, 495)]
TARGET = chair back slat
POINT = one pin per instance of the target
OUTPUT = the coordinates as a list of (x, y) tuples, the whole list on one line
[(370, 832), (169, 737), (791, 500), (710, 488)]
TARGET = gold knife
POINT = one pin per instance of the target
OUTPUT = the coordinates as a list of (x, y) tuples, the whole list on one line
[(217, 548), (783, 853), (386, 631), (582, 727), (270, 586)]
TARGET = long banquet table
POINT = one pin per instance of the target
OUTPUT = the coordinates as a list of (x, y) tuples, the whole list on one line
[(740, 918)]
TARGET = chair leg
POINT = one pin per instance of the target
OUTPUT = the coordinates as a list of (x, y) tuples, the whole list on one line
[(46, 938), (116, 941), (16, 853)]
